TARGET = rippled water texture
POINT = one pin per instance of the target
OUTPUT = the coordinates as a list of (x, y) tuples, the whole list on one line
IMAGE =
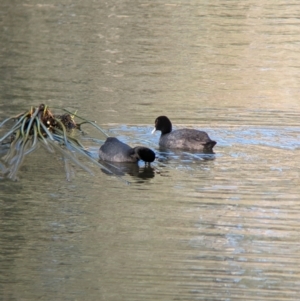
[(191, 226)]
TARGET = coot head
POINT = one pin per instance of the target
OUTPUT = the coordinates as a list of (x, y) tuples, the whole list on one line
[(144, 154), (163, 124)]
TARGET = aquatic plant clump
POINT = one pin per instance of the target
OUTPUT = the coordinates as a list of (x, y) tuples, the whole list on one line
[(39, 126)]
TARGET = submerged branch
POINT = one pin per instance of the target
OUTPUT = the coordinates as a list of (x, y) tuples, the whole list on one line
[(39, 127)]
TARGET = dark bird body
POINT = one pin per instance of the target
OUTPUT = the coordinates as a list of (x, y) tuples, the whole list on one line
[(116, 151), (186, 139)]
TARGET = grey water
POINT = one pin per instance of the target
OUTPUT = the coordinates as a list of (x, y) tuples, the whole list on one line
[(190, 226)]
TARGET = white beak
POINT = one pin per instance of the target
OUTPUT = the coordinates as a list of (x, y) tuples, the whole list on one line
[(154, 130)]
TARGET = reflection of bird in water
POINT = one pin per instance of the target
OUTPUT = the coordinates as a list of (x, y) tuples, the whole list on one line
[(114, 150), (133, 169), (146, 172)]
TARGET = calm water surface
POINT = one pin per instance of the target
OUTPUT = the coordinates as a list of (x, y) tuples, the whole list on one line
[(191, 227)]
